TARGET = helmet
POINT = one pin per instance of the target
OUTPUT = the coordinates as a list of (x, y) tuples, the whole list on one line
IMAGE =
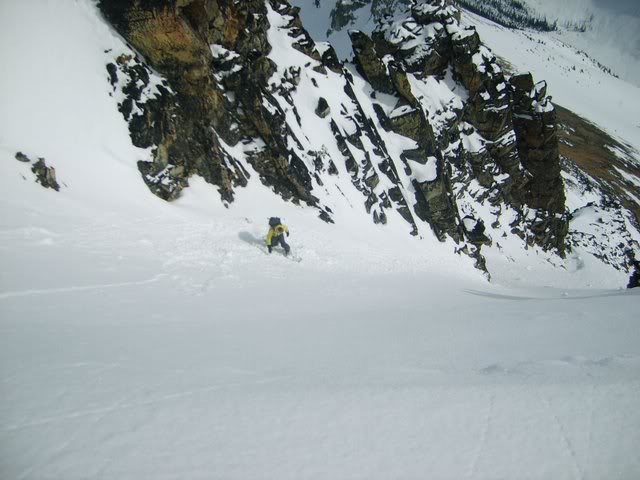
[(274, 222)]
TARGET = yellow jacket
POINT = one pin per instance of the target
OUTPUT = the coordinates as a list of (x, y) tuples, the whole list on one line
[(275, 231)]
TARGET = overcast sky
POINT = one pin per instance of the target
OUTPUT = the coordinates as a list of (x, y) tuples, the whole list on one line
[(628, 7)]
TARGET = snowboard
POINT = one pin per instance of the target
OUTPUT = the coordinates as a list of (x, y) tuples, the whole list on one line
[(279, 251)]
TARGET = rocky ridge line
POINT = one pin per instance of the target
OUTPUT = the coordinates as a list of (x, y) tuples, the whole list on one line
[(476, 162)]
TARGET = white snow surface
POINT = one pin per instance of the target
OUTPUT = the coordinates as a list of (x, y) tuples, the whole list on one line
[(145, 340), (612, 34)]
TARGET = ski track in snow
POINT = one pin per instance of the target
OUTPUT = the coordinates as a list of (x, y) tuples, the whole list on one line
[(563, 296), (568, 446), (125, 405), (52, 291), (482, 442)]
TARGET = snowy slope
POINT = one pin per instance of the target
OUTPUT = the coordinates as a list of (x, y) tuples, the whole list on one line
[(54, 105), (180, 350), (142, 339), (611, 34)]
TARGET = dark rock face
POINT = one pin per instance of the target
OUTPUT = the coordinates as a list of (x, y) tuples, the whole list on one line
[(634, 281), (536, 130), (330, 60), (174, 118), (323, 109), (172, 35), (370, 63), (436, 205), (186, 121), (489, 109), (412, 124), (474, 229)]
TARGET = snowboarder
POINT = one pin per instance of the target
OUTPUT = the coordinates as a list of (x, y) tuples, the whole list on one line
[(276, 233)]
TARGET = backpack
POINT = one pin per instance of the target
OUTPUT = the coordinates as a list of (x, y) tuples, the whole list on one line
[(274, 222)]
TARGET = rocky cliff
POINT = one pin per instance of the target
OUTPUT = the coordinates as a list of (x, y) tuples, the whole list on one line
[(424, 127)]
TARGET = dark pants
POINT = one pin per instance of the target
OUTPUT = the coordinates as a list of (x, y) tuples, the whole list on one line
[(279, 240)]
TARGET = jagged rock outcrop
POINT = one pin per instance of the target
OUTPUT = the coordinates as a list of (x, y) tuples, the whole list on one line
[(45, 176), (536, 130), (371, 66), (518, 162), (425, 126), (176, 117), (507, 131), (187, 123)]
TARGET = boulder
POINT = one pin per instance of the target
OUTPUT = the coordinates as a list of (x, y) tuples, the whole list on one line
[(323, 109), (21, 157)]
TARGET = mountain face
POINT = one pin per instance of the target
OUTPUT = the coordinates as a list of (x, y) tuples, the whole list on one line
[(509, 13), (424, 129)]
